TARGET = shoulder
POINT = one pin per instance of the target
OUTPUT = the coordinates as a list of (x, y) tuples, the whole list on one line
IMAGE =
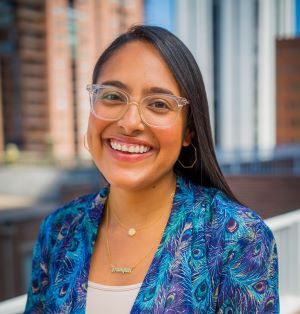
[(242, 250), (231, 220), (242, 257), (69, 212), (72, 213), (223, 218), (226, 224), (243, 243)]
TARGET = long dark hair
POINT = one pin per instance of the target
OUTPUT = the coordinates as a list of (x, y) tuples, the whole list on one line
[(182, 64)]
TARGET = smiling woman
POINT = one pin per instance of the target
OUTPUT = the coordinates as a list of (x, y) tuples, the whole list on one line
[(135, 122), (166, 235)]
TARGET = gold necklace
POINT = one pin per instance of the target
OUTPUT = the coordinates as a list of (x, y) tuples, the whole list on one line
[(117, 269), (125, 270), (132, 231)]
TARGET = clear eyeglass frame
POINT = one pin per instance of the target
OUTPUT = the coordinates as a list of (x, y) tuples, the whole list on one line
[(93, 88)]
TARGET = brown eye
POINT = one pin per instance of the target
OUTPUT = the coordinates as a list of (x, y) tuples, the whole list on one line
[(158, 105), (112, 96)]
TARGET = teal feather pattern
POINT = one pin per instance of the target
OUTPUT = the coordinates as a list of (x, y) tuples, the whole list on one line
[(215, 256)]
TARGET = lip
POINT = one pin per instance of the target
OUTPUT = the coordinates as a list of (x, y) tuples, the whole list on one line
[(129, 141), (129, 157)]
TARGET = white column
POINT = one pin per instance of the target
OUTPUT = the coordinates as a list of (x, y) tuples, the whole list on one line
[(245, 80), (182, 20), (204, 48), (237, 79), (193, 25), (226, 79), (286, 18), (266, 111)]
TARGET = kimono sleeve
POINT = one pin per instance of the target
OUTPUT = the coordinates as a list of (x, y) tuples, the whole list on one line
[(249, 264), (39, 276)]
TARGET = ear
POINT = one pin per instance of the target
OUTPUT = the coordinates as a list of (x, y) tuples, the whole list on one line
[(187, 138)]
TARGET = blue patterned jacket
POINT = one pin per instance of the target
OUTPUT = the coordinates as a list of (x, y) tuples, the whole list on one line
[(215, 257)]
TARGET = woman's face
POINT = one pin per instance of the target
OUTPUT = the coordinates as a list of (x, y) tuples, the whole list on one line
[(137, 68)]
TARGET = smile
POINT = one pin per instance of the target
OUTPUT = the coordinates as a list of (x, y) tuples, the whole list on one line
[(129, 148)]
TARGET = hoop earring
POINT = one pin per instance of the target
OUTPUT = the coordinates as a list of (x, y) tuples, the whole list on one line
[(85, 143), (195, 159)]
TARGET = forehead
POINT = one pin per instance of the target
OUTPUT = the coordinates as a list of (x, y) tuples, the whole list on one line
[(138, 64)]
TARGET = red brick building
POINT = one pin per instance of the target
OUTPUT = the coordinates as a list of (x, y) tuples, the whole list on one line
[(288, 91), (47, 51), (1, 122)]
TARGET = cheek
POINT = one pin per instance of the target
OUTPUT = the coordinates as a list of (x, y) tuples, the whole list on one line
[(170, 141), (93, 124), (95, 128)]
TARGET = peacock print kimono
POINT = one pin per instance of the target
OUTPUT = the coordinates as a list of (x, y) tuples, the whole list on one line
[(215, 256)]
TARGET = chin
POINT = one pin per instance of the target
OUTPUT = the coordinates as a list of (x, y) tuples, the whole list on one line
[(128, 184), (127, 180), (135, 180)]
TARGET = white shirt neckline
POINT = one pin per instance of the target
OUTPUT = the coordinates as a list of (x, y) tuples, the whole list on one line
[(102, 287)]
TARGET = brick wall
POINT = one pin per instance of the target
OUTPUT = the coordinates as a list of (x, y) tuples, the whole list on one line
[(267, 195)]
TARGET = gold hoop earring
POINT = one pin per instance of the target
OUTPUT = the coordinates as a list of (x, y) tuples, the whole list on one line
[(85, 143), (195, 159)]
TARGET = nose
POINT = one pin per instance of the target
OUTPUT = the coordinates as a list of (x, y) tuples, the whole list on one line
[(131, 120)]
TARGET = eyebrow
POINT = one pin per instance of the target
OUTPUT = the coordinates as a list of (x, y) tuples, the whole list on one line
[(159, 90), (115, 84), (151, 90)]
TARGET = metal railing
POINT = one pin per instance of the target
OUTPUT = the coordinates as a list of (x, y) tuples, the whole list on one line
[(286, 230), (284, 161), (13, 306)]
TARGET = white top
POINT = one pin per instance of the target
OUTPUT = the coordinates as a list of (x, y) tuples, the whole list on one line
[(110, 299)]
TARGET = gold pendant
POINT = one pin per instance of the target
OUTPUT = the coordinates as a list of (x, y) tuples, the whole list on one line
[(123, 270), (131, 232)]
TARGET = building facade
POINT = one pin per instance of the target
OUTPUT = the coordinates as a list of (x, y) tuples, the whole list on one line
[(288, 91), (234, 43), (245, 75), (47, 51), (23, 74), (97, 23), (1, 123)]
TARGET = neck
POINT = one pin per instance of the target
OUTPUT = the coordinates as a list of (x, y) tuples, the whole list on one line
[(140, 206)]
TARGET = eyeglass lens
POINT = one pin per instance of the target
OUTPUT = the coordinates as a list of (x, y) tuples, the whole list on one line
[(157, 110)]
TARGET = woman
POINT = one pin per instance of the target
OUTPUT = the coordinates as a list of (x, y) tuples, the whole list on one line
[(166, 235)]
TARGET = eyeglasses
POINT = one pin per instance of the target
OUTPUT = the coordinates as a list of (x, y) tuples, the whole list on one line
[(156, 110)]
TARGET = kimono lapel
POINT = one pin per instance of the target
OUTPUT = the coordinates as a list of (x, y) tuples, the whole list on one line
[(153, 295), (71, 278)]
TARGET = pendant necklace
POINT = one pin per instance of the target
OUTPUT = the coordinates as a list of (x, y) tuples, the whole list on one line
[(131, 231), (121, 270)]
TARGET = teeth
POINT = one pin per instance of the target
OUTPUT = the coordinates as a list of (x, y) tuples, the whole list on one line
[(129, 148)]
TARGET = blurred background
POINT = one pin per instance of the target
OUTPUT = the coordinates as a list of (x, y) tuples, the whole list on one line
[(249, 55)]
